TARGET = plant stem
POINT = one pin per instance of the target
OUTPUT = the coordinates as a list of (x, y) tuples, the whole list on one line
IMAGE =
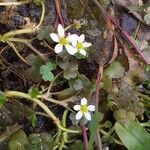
[(85, 139), (15, 50), (23, 31), (51, 84), (42, 105), (64, 134), (14, 3)]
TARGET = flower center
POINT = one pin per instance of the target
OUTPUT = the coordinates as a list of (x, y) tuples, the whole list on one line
[(63, 41), (84, 108), (79, 45)]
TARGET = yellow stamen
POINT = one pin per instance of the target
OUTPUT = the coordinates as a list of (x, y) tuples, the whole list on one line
[(84, 108), (79, 45), (63, 41)]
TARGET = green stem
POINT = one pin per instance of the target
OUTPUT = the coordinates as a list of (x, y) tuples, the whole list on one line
[(62, 143), (42, 105), (144, 96), (23, 31), (14, 3), (51, 84), (18, 40)]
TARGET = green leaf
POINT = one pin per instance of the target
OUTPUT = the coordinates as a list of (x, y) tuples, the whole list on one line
[(41, 141), (107, 82), (147, 19), (33, 92), (33, 120), (68, 74), (45, 71), (115, 70), (133, 136), (17, 141), (44, 33), (70, 69), (84, 85), (77, 145), (93, 128), (147, 67), (33, 73), (2, 99), (78, 85)]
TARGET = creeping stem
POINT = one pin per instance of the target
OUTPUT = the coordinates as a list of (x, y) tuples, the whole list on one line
[(10, 94), (7, 35)]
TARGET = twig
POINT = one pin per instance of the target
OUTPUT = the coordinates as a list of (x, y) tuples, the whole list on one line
[(124, 33), (36, 51), (59, 18), (15, 50)]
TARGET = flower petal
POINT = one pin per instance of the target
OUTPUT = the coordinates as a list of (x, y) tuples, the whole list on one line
[(70, 49), (79, 115), (58, 48), (81, 38), (87, 44), (73, 38), (54, 37), (91, 108), (83, 101), (87, 116), (77, 107), (83, 52), (61, 31)]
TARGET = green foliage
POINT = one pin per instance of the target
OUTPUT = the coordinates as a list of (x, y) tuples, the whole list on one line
[(107, 82), (115, 70), (70, 69), (37, 2), (41, 141), (45, 71), (93, 128), (33, 120), (33, 73), (82, 83), (44, 33), (77, 145), (132, 135), (122, 114), (147, 18), (147, 67), (17, 141), (33, 92), (2, 99)]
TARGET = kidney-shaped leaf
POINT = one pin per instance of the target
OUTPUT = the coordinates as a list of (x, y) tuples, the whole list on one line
[(115, 70), (133, 136)]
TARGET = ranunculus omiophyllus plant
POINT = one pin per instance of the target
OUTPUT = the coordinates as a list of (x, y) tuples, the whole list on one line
[(72, 42), (84, 110)]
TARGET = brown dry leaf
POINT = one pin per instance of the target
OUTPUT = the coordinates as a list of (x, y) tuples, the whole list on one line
[(115, 52), (133, 63)]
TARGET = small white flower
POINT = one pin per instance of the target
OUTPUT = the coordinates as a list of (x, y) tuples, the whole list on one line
[(62, 41), (79, 43), (84, 110)]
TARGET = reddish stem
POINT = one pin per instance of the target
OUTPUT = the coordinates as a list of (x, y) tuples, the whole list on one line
[(85, 138), (59, 18), (125, 34)]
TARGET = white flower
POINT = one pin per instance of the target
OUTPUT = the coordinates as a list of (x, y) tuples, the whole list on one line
[(79, 43), (84, 110), (62, 41)]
